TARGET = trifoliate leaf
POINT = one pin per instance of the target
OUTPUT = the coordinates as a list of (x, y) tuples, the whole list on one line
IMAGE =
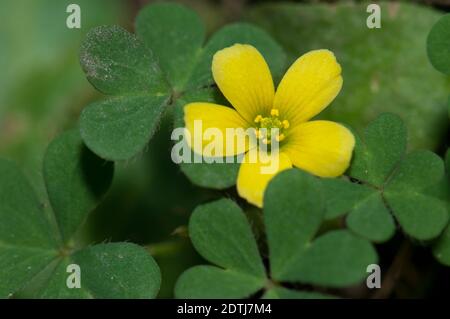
[(410, 188), (421, 216), (292, 222), (118, 63), (35, 249), (438, 45), (221, 233)]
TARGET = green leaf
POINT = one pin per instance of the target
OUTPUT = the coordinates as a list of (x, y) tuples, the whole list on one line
[(115, 270), (221, 234), (213, 282), (438, 45), (343, 196), (371, 219), (385, 70), (120, 127), (291, 220), (367, 213), (33, 259), (175, 34), (283, 293), (383, 146), (441, 249), (118, 63), (336, 259), (76, 180), (21, 212), (422, 216)]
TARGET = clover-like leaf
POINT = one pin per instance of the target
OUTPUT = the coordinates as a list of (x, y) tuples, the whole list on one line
[(76, 180), (292, 222), (390, 184), (37, 245), (368, 216), (148, 71), (221, 233), (114, 270), (383, 145), (438, 45), (118, 63)]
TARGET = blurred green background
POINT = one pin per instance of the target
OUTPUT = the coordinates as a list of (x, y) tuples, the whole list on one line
[(43, 90)]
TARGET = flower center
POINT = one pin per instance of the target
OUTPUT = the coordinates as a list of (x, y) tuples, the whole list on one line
[(266, 124)]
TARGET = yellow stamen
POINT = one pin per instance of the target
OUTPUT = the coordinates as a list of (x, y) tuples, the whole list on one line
[(258, 118), (285, 123), (280, 137), (274, 112)]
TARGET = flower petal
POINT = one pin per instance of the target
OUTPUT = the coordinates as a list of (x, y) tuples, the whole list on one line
[(252, 181), (244, 78), (322, 148), (310, 84), (215, 117)]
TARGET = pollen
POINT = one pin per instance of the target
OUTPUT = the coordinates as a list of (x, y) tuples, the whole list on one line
[(258, 118), (266, 124), (280, 137)]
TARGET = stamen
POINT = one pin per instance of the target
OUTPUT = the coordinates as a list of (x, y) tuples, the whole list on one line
[(280, 137), (274, 112), (285, 123), (258, 118)]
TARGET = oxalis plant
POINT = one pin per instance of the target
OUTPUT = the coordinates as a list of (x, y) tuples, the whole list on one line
[(307, 231)]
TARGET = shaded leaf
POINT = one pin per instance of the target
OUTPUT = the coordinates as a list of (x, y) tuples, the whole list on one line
[(438, 45), (213, 282), (283, 293), (293, 211), (221, 234), (175, 34), (336, 259), (76, 181), (420, 215)]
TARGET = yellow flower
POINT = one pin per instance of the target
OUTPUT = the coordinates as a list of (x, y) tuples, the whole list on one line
[(322, 148)]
